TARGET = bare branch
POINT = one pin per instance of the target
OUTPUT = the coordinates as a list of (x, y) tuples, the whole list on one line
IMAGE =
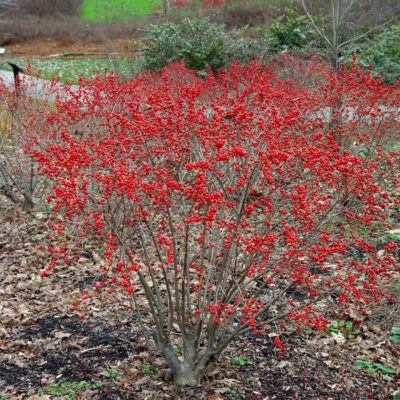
[(353, 39), (312, 20)]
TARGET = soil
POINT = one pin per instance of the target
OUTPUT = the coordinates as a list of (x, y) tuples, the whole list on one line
[(45, 49), (43, 340)]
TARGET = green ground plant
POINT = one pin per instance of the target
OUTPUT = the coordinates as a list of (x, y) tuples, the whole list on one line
[(393, 236), (395, 333), (343, 327), (374, 367), (111, 373), (147, 369), (241, 361), (69, 389)]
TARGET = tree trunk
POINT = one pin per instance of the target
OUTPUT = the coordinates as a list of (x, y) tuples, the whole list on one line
[(185, 376), (190, 370), (182, 371), (28, 203)]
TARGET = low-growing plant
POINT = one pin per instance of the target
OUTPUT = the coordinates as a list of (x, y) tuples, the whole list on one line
[(111, 373), (147, 369), (395, 333), (212, 199), (393, 236), (69, 388), (373, 367), (241, 361), (343, 327)]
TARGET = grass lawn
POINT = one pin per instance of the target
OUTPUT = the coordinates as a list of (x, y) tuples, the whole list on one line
[(100, 10)]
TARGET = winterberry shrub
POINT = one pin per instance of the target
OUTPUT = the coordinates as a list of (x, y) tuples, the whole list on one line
[(231, 204), (19, 177)]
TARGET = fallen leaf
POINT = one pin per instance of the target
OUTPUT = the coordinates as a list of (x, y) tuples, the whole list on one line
[(214, 396)]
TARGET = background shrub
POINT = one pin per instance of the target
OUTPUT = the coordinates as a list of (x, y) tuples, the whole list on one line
[(201, 44), (381, 53), (289, 31)]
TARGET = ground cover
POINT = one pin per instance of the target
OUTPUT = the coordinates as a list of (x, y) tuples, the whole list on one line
[(47, 351), (100, 10)]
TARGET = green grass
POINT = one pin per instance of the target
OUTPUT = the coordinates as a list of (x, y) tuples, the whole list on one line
[(101, 10), (71, 70)]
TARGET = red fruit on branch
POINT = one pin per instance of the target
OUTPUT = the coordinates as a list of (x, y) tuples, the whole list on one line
[(228, 225)]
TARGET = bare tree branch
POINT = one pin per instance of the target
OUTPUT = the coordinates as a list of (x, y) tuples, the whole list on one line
[(338, 10)]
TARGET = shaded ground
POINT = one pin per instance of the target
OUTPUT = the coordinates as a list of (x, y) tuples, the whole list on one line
[(43, 341)]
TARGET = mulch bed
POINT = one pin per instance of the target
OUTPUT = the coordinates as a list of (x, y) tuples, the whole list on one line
[(43, 341)]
